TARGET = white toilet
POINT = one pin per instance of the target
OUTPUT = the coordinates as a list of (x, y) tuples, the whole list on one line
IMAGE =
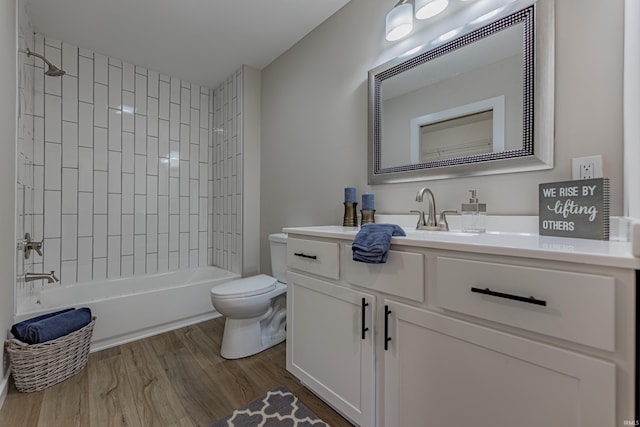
[(255, 307)]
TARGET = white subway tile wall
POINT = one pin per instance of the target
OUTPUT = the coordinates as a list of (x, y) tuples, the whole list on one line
[(26, 205), (126, 171), (225, 173)]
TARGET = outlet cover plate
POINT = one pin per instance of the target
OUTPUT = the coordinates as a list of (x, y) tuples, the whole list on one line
[(586, 167)]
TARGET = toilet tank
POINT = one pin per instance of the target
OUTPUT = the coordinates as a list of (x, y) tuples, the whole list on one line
[(278, 246)]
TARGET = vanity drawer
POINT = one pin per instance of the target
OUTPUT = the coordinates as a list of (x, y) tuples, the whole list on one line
[(314, 257), (401, 275), (577, 307)]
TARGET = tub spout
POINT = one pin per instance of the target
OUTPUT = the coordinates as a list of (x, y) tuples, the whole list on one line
[(50, 278)]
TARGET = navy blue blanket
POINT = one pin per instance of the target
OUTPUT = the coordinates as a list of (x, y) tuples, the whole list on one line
[(51, 326), (372, 242)]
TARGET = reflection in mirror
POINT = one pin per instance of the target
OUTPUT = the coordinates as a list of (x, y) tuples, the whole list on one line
[(470, 129), (460, 136), (465, 107)]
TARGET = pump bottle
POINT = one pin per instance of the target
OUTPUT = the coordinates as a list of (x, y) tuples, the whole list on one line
[(474, 215)]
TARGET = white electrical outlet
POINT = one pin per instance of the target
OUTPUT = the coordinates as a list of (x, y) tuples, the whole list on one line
[(586, 170), (586, 167)]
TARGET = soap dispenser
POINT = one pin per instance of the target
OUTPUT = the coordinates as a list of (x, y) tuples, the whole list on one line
[(474, 215)]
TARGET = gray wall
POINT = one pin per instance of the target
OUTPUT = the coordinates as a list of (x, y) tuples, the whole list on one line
[(314, 119), (7, 167)]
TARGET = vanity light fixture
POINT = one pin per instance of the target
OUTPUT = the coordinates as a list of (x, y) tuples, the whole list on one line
[(399, 21), (429, 8)]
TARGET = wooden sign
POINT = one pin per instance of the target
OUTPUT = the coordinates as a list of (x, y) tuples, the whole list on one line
[(575, 209)]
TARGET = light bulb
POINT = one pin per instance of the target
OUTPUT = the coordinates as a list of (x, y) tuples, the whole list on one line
[(429, 8)]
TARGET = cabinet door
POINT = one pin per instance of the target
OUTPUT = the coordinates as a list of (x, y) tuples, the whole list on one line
[(327, 348), (443, 372)]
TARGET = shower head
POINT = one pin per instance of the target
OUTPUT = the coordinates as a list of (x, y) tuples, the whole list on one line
[(52, 71)]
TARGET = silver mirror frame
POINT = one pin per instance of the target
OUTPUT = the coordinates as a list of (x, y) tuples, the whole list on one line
[(538, 127)]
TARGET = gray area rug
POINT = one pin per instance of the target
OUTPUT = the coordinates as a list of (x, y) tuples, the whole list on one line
[(276, 408)]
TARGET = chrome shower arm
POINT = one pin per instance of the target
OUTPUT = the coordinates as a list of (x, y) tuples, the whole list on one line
[(37, 55), (52, 70)]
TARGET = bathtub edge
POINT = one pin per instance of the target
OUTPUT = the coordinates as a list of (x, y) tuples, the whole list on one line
[(140, 314), (109, 342)]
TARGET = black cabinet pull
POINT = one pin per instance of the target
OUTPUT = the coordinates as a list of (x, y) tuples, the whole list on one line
[(300, 254), (528, 300), (364, 305), (387, 338)]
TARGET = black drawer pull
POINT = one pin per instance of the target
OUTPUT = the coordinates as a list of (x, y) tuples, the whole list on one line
[(364, 305), (301, 255), (387, 338), (528, 300)]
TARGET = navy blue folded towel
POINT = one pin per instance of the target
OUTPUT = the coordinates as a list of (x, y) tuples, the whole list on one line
[(19, 330), (51, 326), (372, 242)]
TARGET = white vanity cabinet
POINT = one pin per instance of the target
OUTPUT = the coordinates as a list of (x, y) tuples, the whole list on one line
[(440, 371), (459, 334), (329, 333)]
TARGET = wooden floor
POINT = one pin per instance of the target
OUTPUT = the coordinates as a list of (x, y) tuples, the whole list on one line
[(174, 379)]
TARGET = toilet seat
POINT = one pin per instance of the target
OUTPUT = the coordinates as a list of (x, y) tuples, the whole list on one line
[(247, 287)]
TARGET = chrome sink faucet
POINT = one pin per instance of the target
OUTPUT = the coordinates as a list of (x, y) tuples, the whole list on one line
[(50, 278), (430, 223)]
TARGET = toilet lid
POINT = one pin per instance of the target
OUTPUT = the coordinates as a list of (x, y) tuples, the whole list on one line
[(246, 287)]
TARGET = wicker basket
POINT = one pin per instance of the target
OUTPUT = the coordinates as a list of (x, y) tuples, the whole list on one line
[(38, 366)]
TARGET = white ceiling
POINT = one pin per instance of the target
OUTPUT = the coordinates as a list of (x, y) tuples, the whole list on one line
[(200, 41)]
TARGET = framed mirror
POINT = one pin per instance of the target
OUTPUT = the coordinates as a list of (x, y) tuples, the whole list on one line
[(478, 104)]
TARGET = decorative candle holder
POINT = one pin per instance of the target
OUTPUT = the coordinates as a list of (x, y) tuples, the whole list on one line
[(350, 218), (368, 216)]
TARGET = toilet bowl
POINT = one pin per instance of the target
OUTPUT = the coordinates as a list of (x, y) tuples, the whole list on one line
[(255, 307)]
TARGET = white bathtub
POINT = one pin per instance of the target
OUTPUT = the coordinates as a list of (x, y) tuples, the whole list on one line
[(131, 308)]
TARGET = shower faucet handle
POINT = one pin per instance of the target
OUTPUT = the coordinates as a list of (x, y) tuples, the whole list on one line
[(28, 246), (37, 246)]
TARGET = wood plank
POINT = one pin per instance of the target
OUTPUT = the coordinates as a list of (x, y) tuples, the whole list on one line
[(204, 348), (66, 403), (22, 409), (104, 354), (214, 330), (111, 400), (203, 400), (165, 343), (155, 400), (239, 387)]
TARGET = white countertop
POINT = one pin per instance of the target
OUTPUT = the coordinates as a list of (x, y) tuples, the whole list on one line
[(530, 245)]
